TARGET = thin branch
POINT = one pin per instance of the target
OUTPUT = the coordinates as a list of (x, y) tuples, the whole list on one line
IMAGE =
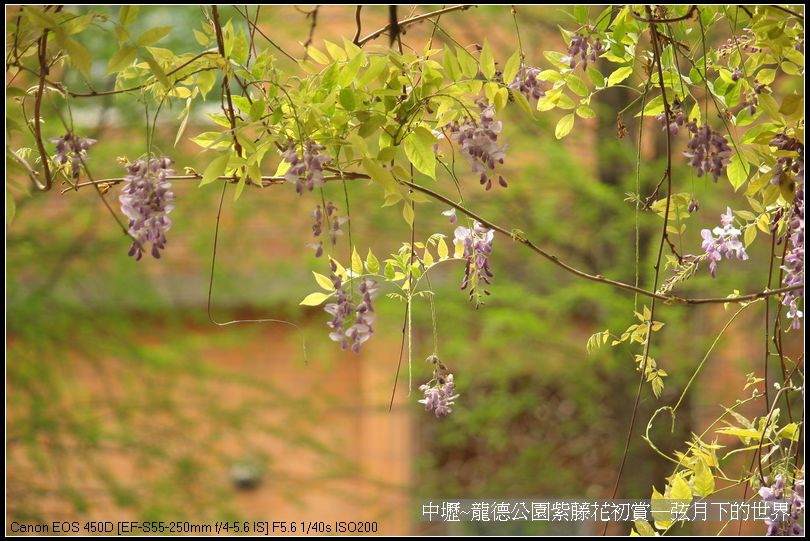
[(357, 21), (43, 73), (256, 28), (789, 11), (651, 20), (657, 54), (407, 22), (513, 234), (229, 112)]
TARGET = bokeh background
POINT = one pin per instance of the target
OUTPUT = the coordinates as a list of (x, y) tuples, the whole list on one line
[(125, 403)]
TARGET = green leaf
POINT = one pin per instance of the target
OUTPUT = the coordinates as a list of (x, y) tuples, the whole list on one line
[(737, 171), (418, 146), (743, 433), (154, 35), (596, 77), (79, 56), (451, 65), (128, 14), (441, 248), (644, 528), (661, 510), (407, 212), (487, 61), (703, 482), (583, 111), (215, 169), (680, 489), (564, 126), (314, 299), (357, 262), (122, 58), (347, 99), (379, 174), (469, 67), (510, 70), (789, 432), (619, 75), (372, 263), (576, 85), (318, 56), (323, 281)]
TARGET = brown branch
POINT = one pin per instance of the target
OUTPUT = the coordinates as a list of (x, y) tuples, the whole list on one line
[(407, 22), (256, 28), (357, 21), (651, 20), (229, 112), (789, 11), (268, 180), (42, 51)]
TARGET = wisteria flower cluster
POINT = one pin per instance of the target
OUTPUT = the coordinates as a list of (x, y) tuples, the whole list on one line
[(477, 246), (306, 170), (479, 144), (676, 120), (584, 50), (440, 391), (776, 492), (526, 83), (708, 150), (147, 200), (72, 148), (727, 242), (787, 164), (334, 224), (793, 264), (361, 329)]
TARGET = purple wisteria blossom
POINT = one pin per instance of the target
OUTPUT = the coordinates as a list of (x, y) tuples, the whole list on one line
[(793, 264), (343, 308), (708, 150), (726, 242), (306, 170), (787, 164), (72, 148), (677, 120), (333, 222), (526, 83), (451, 215), (440, 391), (477, 246), (362, 329), (790, 523), (147, 200), (584, 50), (479, 144)]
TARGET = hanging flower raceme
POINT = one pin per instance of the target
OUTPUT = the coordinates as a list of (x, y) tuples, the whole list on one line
[(362, 329), (334, 224), (476, 245), (708, 150), (793, 264), (147, 200), (306, 170), (790, 522), (479, 144), (440, 391), (584, 50), (526, 83), (727, 242), (787, 164), (72, 148), (677, 120), (343, 309)]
